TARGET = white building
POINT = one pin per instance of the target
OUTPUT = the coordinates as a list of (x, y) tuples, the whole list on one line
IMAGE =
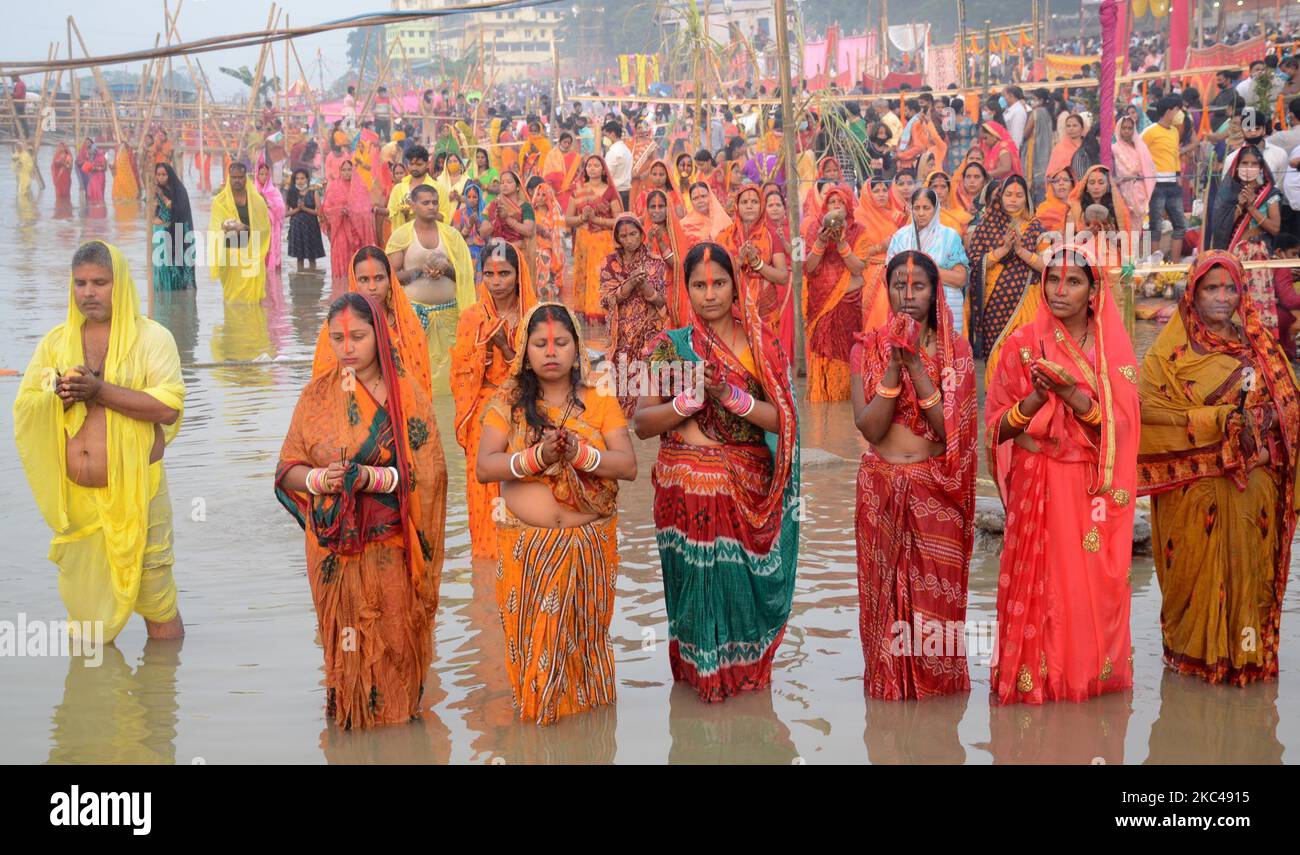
[(515, 43)]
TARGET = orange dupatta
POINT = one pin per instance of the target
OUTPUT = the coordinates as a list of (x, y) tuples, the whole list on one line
[(771, 304), (880, 224), (672, 239), (406, 332), (478, 324)]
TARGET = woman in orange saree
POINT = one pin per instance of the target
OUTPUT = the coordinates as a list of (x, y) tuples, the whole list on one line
[(814, 198), (1054, 210), (556, 448), (914, 401), (707, 218), (371, 274), (832, 295), (633, 293), (480, 363), (1220, 440), (591, 214), (665, 239), (61, 172), (882, 221), (1097, 188), (547, 243), (362, 472), (1062, 419), (560, 168), (760, 257)]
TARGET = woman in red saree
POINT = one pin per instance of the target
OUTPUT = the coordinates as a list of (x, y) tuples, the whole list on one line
[(480, 363), (61, 172), (832, 295), (633, 293), (1220, 446), (510, 216), (914, 401), (751, 242), (1062, 419), (881, 221), (665, 239), (657, 179), (362, 472), (349, 219), (591, 214), (1001, 157)]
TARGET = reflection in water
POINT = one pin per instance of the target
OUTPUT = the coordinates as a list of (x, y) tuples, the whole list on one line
[(1200, 723), (423, 741), (908, 732), (178, 312), (1061, 733), (277, 323), (743, 729), (242, 338), (486, 700), (62, 209), (111, 714), (305, 304)]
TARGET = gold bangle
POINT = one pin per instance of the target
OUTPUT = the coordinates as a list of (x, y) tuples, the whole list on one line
[(1093, 416), (929, 402), (884, 391), (1016, 417)]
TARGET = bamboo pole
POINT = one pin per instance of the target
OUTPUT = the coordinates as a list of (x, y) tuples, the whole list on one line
[(198, 81), (103, 85), (311, 96), (791, 182), (271, 20), (963, 76)]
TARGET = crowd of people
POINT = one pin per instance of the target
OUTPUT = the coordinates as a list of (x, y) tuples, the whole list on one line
[(491, 257)]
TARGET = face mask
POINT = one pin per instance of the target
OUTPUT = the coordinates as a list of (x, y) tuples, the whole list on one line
[(1179, 117), (1002, 101), (987, 115), (803, 126), (1248, 173)]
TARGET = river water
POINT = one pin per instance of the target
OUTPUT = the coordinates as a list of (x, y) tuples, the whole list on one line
[(245, 685)]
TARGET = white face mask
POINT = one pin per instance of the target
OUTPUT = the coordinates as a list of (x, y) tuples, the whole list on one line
[(987, 115), (1248, 173)]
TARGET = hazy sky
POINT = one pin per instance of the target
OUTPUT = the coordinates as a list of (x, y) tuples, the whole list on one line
[(116, 26)]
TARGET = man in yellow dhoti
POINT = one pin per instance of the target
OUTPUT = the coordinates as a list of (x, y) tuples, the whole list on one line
[(417, 173), (238, 238), (101, 398), (432, 262)]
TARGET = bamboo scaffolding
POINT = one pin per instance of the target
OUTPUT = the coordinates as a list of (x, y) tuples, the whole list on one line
[(101, 83)]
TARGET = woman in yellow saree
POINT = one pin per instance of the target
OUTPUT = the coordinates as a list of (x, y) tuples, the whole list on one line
[(238, 238), (480, 364), (557, 447), (1220, 439), (361, 470)]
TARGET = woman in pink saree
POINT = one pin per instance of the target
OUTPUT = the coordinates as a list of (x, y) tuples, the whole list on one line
[(1001, 157), (349, 221), (275, 209), (1062, 420), (1135, 172)]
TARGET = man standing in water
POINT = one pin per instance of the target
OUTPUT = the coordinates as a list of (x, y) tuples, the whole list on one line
[(417, 172), (106, 378), (432, 262)]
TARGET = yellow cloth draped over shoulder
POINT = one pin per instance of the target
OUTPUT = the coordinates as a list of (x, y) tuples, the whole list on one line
[(113, 543), (440, 323), (241, 270)]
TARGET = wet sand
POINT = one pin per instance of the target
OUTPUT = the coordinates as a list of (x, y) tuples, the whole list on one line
[(245, 684)]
